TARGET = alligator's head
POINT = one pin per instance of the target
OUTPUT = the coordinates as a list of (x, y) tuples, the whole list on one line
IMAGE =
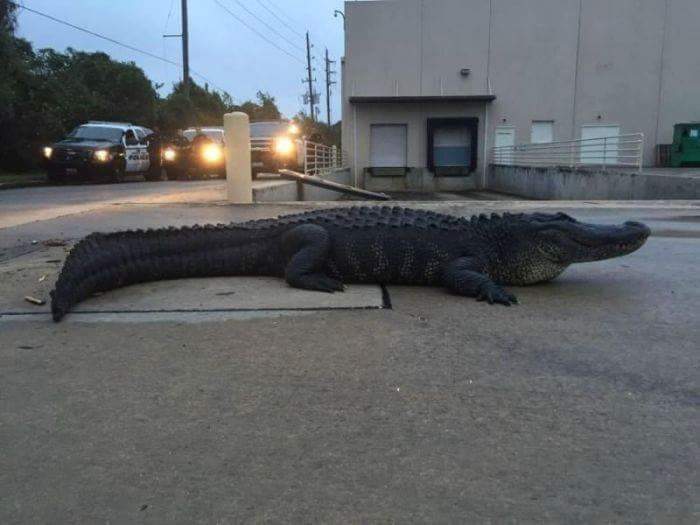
[(543, 245)]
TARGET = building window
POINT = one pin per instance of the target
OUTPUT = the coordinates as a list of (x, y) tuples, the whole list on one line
[(542, 132), (452, 146), (388, 145)]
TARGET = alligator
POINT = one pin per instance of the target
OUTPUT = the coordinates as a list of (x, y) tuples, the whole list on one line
[(324, 249)]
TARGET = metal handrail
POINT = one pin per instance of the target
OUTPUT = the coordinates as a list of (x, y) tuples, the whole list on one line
[(320, 159), (615, 151)]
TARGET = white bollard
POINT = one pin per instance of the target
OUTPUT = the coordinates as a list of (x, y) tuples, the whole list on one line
[(239, 176)]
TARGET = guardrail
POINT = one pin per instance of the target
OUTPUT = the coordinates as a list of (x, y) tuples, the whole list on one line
[(622, 151), (320, 159)]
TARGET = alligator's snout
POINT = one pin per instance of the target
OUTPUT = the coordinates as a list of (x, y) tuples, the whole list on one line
[(620, 240), (641, 229), (598, 242)]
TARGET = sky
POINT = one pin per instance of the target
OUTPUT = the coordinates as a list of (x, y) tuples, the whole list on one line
[(222, 49)]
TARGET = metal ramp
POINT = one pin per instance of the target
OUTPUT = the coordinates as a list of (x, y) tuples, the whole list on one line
[(333, 186)]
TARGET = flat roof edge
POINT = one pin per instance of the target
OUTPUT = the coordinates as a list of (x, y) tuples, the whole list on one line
[(421, 98)]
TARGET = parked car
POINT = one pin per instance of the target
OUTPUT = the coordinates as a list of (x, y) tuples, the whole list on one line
[(195, 153), (276, 145), (104, 151)]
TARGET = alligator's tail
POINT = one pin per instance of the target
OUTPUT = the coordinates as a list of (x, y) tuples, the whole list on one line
[(103, 262)]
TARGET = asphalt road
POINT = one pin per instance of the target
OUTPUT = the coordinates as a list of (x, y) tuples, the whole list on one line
[(581, 405), (23, 205)]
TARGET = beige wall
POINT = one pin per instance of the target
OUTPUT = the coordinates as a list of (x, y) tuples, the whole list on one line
[(533, 64), (633, 63), (680, 87), (450, 43)]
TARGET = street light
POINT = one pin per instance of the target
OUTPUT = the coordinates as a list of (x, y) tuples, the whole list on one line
[(338, 12)]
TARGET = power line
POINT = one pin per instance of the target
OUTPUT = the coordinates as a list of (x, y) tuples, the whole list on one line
[(274, 30), (281, 20), (113, 41), (165, 30), (84, 30), (242, 21), (269, 5), (170, 14), (279, 9)]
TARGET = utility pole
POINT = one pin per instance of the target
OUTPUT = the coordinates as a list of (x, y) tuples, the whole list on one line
[(310, 78), (185, 35), (329, 83), (185, 50)]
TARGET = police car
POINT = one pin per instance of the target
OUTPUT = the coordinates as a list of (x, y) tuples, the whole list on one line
[(104, 150)]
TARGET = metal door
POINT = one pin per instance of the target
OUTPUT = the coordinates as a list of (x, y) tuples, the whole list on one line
[(388, 145), (542, 132), (600, 144), (505, 140), (132, 152)]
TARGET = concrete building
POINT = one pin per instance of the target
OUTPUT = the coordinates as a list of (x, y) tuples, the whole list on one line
[(430, 86)]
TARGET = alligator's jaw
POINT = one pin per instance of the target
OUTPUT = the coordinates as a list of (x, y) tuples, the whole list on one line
[(596, 243)]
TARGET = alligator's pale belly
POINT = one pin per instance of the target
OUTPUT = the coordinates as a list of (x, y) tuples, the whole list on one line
[(526, 275)]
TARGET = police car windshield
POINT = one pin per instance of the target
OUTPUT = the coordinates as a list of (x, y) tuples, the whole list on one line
[(268, 129), (216, 135), (96, 133)]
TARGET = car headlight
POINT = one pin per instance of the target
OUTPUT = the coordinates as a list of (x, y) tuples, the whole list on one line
[(284, 146), (169, 154), (212, 153), (102, 155), (48, 152), (294, 129)]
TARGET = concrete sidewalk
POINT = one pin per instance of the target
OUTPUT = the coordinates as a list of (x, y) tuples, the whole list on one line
[(579, 405)]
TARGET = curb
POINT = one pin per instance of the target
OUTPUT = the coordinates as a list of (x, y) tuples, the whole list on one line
[(16, 185)]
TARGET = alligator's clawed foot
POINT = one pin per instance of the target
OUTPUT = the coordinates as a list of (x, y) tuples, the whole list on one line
[(496, 295), (320, 283)]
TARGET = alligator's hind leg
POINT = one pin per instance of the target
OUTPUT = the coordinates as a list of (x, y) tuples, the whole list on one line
[(463, 276), (308, 245)]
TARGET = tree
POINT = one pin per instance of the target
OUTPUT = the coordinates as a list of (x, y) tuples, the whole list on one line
[(319, 131), (202, 108), (10, 60), (15, 56), (207, 108), (8, 16), (264, 109)]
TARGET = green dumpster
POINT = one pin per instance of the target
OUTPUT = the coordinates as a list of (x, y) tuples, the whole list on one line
[(685, 150)]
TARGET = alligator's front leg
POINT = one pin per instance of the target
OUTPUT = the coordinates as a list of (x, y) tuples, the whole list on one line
[(308, 246), (464, 277)]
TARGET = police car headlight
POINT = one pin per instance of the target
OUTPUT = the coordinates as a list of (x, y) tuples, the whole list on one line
[(102, 155), (169, 154), (212, 153), (48, 152), (284, 146)]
